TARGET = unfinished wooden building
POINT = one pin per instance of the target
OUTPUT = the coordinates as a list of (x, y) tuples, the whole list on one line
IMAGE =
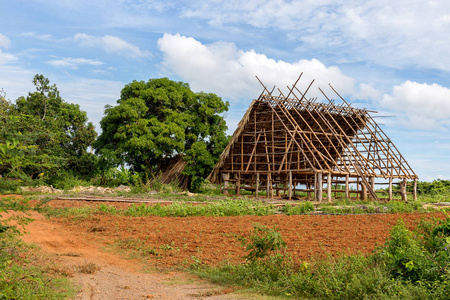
[(290, 145)]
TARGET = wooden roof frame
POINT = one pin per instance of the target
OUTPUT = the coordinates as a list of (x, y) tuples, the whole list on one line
[(290, 135)]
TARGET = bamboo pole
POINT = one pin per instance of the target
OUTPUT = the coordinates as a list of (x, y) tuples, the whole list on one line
[(347, 187), (390, 189), (329, 187)]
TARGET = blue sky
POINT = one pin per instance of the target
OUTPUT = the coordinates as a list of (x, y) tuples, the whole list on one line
[(389, 56)]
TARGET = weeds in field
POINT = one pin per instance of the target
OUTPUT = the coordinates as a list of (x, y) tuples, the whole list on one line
[(303, 208), (177, 209)]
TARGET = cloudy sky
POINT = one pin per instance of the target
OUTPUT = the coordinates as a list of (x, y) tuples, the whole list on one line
[(389, 56)]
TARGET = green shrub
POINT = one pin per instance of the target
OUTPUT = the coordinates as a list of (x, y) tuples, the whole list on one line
[(262, 242)]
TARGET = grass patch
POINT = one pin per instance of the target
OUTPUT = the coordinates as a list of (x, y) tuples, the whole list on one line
[(303, 208), (237, 207)]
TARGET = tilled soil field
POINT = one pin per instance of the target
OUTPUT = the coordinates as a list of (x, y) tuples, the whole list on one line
[(169, 242)]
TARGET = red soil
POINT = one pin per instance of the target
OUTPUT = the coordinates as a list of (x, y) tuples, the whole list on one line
[(179, 241)]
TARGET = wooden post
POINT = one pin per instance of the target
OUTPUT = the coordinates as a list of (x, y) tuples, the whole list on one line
[(268, 186), (290, 186), (319, 186), (225, 177), (257, 185), (308, 193), (390, 188), (347, 187), (238, 185), (278, 179), (358, 195), (403, 189), (363, 191), (415, 190), (372, 184), (329, 187)]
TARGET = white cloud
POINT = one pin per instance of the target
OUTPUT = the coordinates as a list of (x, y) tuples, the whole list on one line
[(367, 92), (4, 41), (392, 33), (16, 81), (420, 105), (224, 69), (73, 63), (111, 44), (42, 37), (6, 57)]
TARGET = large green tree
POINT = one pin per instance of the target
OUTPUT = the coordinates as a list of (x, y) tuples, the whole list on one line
[(46, 133), (160, 119)]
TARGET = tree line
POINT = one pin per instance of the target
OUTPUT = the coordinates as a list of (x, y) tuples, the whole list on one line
[(45, 138)]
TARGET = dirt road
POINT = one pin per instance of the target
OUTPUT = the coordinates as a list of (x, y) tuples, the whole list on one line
[(104, 275)]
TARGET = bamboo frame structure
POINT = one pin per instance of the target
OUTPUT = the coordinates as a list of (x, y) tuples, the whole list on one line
[(286, 141)]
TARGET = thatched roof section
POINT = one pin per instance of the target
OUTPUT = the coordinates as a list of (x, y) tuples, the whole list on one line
[(171, 172)]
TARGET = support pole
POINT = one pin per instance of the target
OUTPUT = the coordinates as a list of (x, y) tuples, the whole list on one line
[(238, 185), (268, 186), (290, 185), (347, 187), (257, 185), (319, 186), (390, 188), (372, 184), (225, 177), (329, 187), (403, 189), (364, 191), (415, 190), (308, 193)]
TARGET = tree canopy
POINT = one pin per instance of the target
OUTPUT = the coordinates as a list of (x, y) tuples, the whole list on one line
[(43, 133), (160, 119)]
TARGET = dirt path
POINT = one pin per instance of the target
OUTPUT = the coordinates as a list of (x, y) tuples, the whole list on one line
[(103, 275)]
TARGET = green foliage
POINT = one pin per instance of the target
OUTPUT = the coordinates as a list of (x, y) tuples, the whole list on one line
[(435, 187), (177, 209), (157, 120), (41, 133), (262, 242), (303, 208)]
